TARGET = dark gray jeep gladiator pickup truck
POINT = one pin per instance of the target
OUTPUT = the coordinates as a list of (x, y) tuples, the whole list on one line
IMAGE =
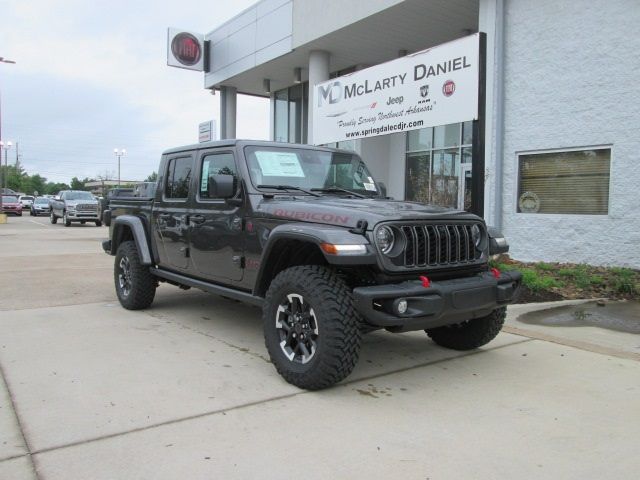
[(308, 234)]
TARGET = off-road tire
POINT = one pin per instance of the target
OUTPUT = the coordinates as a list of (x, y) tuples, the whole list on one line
[(65, 219), (338, 325), (98, 223), (470, 334), (142, 284), (53, 219)]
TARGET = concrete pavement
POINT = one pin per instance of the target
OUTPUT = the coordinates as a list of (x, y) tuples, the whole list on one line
[(185, 390)]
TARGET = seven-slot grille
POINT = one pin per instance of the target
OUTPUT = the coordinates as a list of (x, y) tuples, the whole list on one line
[(438, 245)]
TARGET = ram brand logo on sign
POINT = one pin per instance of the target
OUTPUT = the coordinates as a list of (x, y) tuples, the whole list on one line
[(185, 49), (401, 95)]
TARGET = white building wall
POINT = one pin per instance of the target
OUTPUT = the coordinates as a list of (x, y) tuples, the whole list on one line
[(571, 78)]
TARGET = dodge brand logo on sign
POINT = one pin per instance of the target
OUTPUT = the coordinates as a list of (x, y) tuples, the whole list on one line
[(185, 49)]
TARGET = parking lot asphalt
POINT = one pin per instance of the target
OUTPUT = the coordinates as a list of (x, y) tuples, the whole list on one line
[(185, 389)]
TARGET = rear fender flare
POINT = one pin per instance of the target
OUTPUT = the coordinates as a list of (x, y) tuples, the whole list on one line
[(137, 228)]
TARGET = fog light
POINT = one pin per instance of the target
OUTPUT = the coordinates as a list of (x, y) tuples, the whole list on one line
[(402, 306)]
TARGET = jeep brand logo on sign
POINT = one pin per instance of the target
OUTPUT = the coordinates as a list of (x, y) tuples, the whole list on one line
[(185, 49), (394, 96)]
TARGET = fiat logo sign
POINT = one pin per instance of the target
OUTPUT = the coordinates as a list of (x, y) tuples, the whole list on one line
[(448, 88), (186, 49)]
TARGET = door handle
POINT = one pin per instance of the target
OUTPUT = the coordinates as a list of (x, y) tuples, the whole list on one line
[(197, 219)]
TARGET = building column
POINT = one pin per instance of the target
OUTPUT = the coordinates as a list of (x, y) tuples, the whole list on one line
[(228, 96), (318, 73)]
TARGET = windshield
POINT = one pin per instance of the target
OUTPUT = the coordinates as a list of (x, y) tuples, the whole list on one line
[(78, 196), (9, 199), (43, 201), (309, 169), (26, 197)]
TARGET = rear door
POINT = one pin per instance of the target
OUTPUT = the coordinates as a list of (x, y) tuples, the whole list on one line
[(171, 209), (216, 225)]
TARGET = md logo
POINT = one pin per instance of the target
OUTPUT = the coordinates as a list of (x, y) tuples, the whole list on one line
[(331, 92)]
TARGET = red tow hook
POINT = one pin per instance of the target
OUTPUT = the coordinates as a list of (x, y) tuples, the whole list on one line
[(426, 283), (495, 272)]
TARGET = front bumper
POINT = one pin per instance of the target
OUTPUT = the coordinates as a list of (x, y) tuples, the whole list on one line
[(442, 303), (75, 216)]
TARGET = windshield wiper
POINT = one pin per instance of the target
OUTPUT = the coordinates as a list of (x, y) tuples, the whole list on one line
[(338, 189), (289, 187)]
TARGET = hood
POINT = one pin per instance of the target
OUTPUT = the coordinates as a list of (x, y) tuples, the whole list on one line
[(346, 212)]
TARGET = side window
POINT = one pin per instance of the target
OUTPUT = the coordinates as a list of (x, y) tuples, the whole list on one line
[(178, 178), (216, 164)]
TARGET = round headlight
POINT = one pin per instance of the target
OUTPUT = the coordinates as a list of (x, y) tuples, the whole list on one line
[(476, 235), (385, 239)]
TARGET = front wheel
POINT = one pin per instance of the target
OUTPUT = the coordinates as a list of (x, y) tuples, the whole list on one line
[(98, 223), (311, 328), (135, 286), (65, 219), (470, 334), (53, 219)]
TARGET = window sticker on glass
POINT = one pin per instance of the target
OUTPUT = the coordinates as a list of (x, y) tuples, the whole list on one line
[(370, 186), (279, 164), (204, 183)]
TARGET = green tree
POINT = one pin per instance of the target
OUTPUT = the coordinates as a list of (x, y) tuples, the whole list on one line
[(152, 178), (77, 184)]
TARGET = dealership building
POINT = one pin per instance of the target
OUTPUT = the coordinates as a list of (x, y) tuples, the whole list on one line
[(549, 154)]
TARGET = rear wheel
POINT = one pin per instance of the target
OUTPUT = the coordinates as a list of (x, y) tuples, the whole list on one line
[(311, 328), (53, 219), (135, 286), (470, 334)]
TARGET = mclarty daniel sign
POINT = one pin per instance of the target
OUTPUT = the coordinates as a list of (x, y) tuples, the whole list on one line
[(433, 87)]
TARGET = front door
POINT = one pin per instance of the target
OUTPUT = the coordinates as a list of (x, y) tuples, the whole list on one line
[(170, 213), (216, 225)]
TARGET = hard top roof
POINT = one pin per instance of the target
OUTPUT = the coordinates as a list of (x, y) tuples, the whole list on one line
[(232, 142)]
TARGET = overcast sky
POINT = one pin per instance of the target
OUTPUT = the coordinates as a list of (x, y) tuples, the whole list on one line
[(92, 76)]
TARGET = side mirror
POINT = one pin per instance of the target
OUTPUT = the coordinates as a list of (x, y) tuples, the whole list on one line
[(383, 189), (221, 186)]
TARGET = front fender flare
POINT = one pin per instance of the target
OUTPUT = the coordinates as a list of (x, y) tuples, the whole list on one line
[(317, 234)]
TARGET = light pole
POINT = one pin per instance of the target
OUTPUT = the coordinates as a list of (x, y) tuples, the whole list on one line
[(3, 60), (119, 154)]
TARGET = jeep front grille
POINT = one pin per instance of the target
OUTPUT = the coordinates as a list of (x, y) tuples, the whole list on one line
[(438, 245)]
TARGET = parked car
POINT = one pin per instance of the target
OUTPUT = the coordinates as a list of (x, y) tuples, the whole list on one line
[(11, 204), (40, 206), (26, 201), (308, 234), (75, 206)]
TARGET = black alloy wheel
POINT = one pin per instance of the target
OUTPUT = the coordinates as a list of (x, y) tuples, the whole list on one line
[(297, 327)]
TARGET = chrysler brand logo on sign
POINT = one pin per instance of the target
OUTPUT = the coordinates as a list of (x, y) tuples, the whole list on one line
[(394, 96), (185, 49)]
